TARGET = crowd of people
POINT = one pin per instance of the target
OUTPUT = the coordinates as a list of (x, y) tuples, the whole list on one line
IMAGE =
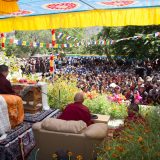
[(119, 76), (35, 65)]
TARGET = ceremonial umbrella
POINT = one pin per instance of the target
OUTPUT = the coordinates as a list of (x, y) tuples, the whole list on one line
[(48, 14)]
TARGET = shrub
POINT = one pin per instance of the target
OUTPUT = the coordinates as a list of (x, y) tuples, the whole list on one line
[(61, 92), (101, 105)]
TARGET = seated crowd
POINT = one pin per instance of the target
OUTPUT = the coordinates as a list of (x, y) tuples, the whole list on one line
[(100, 73)]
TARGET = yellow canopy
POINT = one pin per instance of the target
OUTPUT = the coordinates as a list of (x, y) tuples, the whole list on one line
[(83, 15)]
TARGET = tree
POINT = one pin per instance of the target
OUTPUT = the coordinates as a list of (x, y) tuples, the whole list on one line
[(140, 48)]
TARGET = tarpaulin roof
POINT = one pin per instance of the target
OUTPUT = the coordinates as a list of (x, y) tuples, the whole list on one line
[(48, 14)]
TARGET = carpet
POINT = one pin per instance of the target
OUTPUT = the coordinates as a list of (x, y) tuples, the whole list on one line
[(18, 144), (33, 118)]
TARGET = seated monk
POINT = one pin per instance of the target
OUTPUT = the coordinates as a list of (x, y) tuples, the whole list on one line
[(14, 103), (77, 111)]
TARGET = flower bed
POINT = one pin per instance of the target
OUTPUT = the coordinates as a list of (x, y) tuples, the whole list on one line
[(135, 142)]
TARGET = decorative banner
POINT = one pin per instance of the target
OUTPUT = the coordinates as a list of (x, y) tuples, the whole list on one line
[(60, 35), (68, 38), (53, 37), (84, 43), (51, 64), (2, 41)]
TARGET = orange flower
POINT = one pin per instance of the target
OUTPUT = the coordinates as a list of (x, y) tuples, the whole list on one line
[(146, 130), (144, 148), (108, 148), (140, 139), (120, 148), (114, 155)]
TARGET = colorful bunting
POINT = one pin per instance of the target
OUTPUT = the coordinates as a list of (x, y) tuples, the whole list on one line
[(68, 38), (76, 44), (60, 35)]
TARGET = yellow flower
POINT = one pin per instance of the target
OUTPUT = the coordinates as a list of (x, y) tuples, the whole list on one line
[(140, 139), (108, 148)]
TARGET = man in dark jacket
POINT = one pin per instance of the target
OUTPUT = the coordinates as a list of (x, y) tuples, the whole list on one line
[(5, 85)]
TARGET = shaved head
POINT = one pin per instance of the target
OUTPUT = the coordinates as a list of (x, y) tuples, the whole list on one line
[(79, 97)]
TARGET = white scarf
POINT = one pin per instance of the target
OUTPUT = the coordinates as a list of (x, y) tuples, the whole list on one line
[(4, 117)]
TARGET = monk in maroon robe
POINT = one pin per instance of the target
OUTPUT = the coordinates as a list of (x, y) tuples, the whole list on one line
[(77, 111), (5, 85)]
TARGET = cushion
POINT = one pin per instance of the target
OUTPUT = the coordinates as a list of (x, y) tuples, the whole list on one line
[(15, 109), (97, 131), (60, 125)]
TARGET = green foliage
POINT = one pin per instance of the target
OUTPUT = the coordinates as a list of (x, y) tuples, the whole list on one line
[(101, 105), (97, 105), (136, 141), (61, 93), (141, 48)]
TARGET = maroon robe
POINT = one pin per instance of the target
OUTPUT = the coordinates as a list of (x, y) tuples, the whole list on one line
[(5, 86), (76, 111)]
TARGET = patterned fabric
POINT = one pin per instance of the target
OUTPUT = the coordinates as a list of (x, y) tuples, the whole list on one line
[(4, 118), (15, 109), (32, 118), (18, 143)]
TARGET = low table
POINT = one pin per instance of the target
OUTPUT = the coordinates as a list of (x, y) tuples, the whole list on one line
[(101, 118)]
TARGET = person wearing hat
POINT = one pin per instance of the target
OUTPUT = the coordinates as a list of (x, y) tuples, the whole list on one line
[(140, 81), (77, 111), (148, 79), (143, 93)]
